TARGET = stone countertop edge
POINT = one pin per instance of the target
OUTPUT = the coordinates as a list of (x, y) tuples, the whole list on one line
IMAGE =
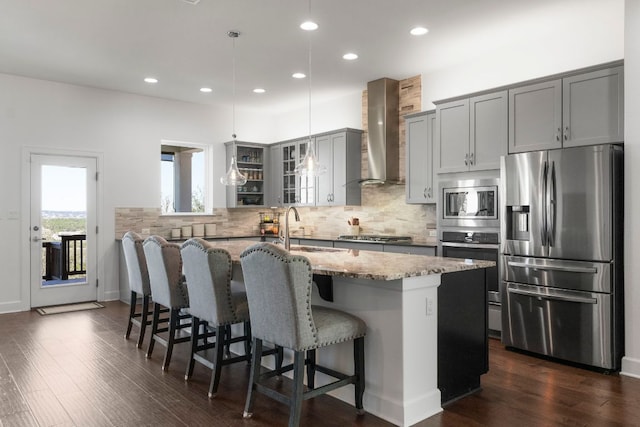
[(363, 264), (430, 242)]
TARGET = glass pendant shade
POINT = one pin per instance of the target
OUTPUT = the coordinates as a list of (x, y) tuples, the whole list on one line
[(309, 166), (233, 175)]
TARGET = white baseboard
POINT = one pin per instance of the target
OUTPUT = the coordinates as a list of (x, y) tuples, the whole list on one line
[(630, 367), (112, 295), (13, 307)]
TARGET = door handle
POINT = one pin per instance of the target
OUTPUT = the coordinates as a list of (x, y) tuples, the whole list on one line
[(583, 300), (37, 239), (590, 270)]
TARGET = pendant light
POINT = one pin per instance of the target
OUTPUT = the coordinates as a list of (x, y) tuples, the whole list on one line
[(233, 175), (309, 166)]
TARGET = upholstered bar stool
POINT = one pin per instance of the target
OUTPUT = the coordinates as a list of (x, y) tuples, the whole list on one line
[(278, 287), (213, 307), (168, 290), (138, 283)]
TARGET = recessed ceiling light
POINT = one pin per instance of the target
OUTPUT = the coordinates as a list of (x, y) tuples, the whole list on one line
[(350, 56), (259, 90), (151, 80), (419, 31), (298, 75), (309, 26), (205, 89)]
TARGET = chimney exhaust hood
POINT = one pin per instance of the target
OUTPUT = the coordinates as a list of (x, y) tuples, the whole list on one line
[(383, 140)]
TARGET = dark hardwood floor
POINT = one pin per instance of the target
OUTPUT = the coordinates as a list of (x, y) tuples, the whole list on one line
[(76, 369)]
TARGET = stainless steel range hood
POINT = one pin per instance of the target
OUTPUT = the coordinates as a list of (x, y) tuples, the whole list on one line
[(383, 132)]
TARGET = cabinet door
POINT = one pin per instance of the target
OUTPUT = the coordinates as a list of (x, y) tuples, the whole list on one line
[(325, 155), (417, 134), (288, 154), (274, 177), (593, 106), (306, 186), (452, 137), (535, 117), (488, 130), (432, 178)]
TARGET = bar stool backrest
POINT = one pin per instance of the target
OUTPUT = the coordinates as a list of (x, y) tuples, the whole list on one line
[(136, 263), (208, 273), (279, 294), (165, 272)]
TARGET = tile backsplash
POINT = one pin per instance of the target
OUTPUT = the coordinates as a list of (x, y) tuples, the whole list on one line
[(383, 211)]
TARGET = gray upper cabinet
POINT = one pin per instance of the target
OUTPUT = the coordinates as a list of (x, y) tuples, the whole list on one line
[(274, 178), (471, 134), (420, 133), (535, 117), (452, 137), (488, 133), (582, 109), (340, 152), (593, 108), (252, 161)]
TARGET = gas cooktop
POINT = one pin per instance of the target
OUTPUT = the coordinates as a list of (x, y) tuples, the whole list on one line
[(374, 238)]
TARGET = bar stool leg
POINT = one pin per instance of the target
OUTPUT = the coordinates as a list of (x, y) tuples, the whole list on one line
[(298, 389), (173, 326), (221, 342), (358, 359), (132, 313), (195, 335), (256, 358), (154, 328), (144, 316), (311, 368)]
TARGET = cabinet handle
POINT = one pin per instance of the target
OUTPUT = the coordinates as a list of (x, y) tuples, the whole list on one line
[(424, 193), (466, 159), (471, 159), (328, 197), (429, 192), (558, 134), (333, 197), (566, 133)]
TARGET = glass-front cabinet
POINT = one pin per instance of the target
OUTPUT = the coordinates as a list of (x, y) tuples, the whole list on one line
[(295, 189), (251, 160)]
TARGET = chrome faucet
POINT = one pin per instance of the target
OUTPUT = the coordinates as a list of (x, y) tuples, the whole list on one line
[(286, 240)]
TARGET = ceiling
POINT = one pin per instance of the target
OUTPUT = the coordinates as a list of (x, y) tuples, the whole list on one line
[(114, 44)]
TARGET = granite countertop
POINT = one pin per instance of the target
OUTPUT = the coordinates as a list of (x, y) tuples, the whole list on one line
[(362, 264)]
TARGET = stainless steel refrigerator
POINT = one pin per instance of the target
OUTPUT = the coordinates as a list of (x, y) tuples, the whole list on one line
[(561, 268)]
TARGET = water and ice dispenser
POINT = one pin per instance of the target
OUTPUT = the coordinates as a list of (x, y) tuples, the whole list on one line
[(518, 222)]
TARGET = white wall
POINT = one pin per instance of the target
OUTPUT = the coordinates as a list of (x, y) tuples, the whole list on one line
[(326, 116), (631, 361), (568, 35), (125, 130)]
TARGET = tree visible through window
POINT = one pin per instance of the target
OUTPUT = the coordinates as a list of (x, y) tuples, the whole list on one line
[(183, 174)]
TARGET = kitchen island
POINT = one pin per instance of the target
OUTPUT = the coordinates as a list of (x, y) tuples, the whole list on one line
[(397, 296)]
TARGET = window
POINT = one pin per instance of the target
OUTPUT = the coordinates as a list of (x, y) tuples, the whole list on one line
[(183, 171)]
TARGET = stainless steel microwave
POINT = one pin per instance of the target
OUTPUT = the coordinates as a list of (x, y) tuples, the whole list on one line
[(469, 203)]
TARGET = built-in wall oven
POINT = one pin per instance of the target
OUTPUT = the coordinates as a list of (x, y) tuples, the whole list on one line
[(469, 228)]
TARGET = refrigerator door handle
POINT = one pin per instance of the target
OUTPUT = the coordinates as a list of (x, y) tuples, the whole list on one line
[(543, 199), (551, 205), (590, 270), (555, 296)]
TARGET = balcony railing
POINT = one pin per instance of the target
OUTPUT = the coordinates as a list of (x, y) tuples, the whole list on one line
[(65, 258)]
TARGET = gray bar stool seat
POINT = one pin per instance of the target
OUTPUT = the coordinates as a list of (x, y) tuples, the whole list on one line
[(278, 287), (168, 290), (214, 307)]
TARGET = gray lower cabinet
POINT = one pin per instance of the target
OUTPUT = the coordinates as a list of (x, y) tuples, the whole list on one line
[(357, 245), (341, 153), (582, 109), (471, 134), (420, 132), (313, 242), (410, 249)]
